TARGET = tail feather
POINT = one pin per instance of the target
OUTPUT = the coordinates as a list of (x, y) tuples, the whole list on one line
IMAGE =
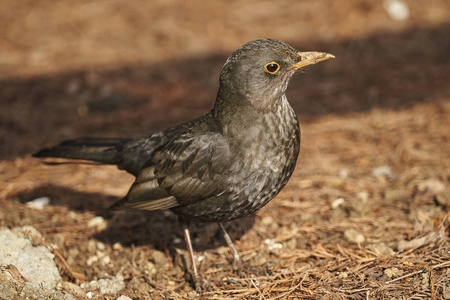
[(102, 150)]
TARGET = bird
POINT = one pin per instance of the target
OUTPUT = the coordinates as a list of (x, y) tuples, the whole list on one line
[(223, 165)]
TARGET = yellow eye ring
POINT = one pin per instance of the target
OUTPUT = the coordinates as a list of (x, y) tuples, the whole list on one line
[(272, 67)]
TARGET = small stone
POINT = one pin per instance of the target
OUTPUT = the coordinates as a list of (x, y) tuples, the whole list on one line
[(38, 203), (101, 246), (343, 275), (272, 245), (92, 246), (266, 221), (432, 186), (105, 260), (98, 222), (117, 246), (393, 272), (354, 236), (380, 248), (106, 286), (336, 203), (383, 171), (92, 260)]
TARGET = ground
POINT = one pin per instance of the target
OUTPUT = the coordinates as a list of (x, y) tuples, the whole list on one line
[(365, 214)]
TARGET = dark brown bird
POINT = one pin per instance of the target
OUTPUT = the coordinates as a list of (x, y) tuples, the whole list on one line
[(225, 164)]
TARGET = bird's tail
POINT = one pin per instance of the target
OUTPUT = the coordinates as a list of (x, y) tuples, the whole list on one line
[(102, 150)]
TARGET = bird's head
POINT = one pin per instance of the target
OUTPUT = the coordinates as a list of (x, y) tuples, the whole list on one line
[(258, 73)]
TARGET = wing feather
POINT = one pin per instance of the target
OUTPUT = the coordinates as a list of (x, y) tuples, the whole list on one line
[(181, 172)]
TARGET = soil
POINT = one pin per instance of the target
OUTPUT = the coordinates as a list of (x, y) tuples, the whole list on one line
[(366, 213)]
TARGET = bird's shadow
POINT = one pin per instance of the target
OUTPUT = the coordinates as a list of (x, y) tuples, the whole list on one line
[(159, 229), (384, 70)]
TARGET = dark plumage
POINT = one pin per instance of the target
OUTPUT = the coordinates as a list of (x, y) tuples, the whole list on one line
[(225, 164)]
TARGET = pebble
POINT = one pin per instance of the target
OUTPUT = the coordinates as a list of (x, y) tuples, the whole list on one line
[(38, 203), (354, 236), (382, 171), (393, 272), (106, 286), (272, 245), (98, 222), (432, 186), (380, 248)]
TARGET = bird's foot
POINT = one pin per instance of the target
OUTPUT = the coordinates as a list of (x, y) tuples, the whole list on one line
[(199, 284)]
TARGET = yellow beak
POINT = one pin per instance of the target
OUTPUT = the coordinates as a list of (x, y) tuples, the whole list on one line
[(310, 58)]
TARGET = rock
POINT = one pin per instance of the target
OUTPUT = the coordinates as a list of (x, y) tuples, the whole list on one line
[(272, 245), (383, 171), (38, 203), (432, 186), (338, 202), (354, 236), (393, 272), (105, 286), (35, 262), (98, 222), (12, 288), (380, 248)]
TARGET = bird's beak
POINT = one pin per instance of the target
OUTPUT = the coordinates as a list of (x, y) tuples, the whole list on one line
[(310, 58)]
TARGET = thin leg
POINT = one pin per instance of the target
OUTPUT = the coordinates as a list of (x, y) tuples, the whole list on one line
[(187, 238), (237, 262)]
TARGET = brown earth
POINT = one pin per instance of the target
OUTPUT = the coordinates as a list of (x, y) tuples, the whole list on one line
[(365, 215)]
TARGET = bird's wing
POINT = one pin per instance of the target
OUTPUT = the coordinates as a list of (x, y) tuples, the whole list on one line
[(181, 172)]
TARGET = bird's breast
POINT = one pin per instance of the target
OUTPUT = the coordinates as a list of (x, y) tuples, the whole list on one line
[(266, 154)]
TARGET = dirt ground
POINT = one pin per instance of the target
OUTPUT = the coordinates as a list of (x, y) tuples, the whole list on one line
[(366, 213)]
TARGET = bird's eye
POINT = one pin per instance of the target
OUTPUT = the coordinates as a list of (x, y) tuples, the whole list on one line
[(272, 67)]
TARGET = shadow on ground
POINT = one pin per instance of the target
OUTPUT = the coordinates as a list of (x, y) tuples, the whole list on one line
[(384, 70), (159, 229)]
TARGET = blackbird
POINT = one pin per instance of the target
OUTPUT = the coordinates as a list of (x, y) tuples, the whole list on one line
[(225, 164)]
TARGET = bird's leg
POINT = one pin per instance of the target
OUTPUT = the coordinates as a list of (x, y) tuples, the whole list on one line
[(237, 262), (187, 238)]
